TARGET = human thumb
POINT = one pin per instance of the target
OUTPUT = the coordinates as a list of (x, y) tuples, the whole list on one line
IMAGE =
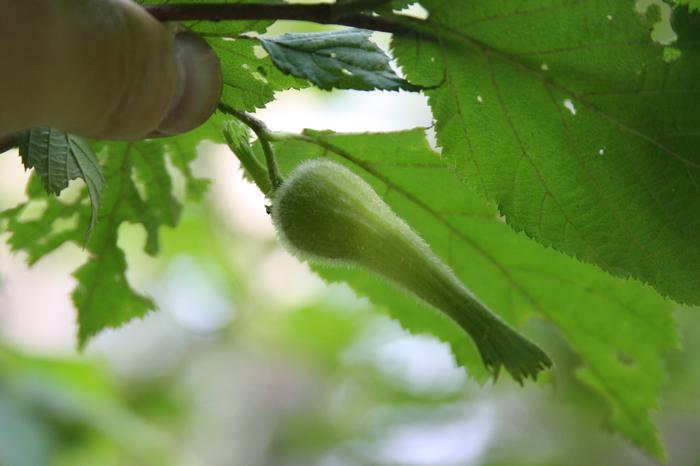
[(103, 69)]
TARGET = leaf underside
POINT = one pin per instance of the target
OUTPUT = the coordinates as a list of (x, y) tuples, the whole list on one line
[(344, 59), (59, 158), (566, 115)]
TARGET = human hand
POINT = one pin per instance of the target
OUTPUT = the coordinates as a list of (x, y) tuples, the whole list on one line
[(101, 68)]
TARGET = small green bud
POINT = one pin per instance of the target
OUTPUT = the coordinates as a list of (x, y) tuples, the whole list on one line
[(325, 213)]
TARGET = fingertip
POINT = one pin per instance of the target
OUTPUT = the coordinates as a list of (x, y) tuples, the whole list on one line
[(198, 85)]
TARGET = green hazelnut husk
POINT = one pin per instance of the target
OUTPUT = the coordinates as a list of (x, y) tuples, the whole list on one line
[(325, 213)]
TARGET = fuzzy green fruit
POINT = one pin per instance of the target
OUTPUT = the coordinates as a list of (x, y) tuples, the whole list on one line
[(325, 213)]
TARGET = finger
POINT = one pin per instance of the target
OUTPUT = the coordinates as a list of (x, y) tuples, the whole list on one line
[(103, 69)]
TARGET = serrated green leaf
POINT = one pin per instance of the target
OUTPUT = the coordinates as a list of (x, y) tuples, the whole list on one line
[(344, 59), (566, 115), (47, 151), (87, 164), (138, 190), (37, 236), (59, 158), (250, 81), (103, 297), (619, 328)]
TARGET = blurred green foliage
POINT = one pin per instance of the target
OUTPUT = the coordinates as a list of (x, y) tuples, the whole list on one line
[(325, 382)]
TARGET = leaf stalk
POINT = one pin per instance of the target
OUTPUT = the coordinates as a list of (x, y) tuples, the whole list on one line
[(264, 136)]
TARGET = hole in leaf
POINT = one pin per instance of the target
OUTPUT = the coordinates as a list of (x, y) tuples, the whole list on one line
[(570, 106), (414, 10), (671, 54), (34, 210), (259, 77), (259, 51), (64, 224), (658, 14)]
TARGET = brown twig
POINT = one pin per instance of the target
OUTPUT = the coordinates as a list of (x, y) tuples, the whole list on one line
[(322, 13)]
